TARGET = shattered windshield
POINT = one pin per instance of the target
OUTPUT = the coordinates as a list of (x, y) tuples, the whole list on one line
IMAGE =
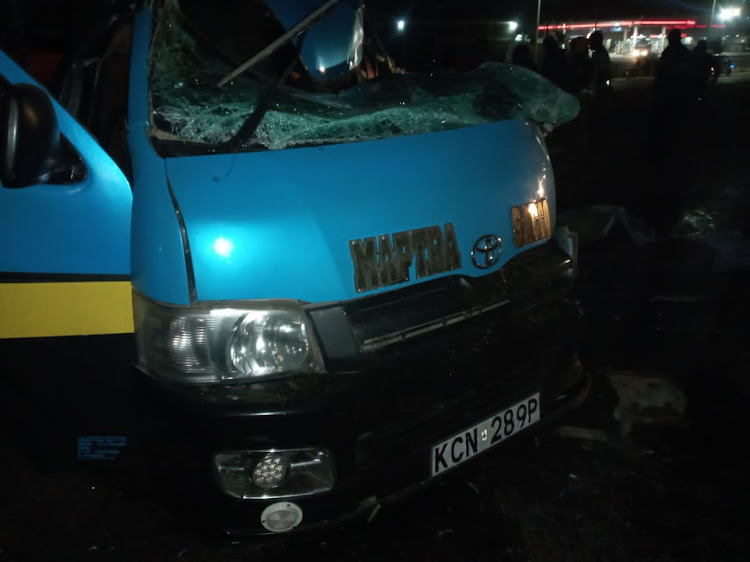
[(189, 107)]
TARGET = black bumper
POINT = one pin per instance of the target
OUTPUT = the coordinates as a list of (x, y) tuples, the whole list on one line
[(380, 421)]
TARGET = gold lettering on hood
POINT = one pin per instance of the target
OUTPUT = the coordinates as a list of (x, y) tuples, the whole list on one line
[(381, 261)]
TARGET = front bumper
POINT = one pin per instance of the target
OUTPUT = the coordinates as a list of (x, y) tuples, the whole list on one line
[(380, 421)]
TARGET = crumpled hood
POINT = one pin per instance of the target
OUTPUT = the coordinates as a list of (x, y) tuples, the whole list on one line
[(291, 224)]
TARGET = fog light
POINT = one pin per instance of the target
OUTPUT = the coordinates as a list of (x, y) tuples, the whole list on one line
[(281, 516), (270, 471), (275, 473)]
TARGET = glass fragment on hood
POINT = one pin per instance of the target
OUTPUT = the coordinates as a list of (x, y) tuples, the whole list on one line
[(187, 103)]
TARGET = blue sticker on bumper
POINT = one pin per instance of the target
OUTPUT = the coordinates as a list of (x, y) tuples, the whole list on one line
[(101, 447)]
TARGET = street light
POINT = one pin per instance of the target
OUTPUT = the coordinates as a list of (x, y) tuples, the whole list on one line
[(401, 25), (726, 14), (536, 30), (710, 24)]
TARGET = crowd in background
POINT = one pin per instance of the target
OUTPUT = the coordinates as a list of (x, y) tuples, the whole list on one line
[(583, 69)]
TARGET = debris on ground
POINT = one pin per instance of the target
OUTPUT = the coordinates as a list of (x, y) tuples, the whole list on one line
[(584, 433), (647, 398)]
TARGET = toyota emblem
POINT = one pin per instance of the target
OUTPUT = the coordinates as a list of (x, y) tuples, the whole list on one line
[(487, 251)]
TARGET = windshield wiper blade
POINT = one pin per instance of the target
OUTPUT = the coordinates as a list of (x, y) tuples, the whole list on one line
[(281, 41), (249, 127)]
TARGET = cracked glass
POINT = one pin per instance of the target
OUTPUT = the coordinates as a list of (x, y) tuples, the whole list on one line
[(190, 108)]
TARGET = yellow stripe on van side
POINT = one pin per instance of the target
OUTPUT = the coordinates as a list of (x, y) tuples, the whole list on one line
[(32, 310)]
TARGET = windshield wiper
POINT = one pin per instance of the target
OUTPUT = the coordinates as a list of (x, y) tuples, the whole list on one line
[(295, 30), (247, 130)]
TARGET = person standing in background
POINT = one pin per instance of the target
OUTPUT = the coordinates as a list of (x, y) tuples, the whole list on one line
[(523, 56), (675, 96), (601, 92), (554, 65)]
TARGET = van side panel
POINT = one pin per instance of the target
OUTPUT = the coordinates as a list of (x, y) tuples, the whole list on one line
[(66, 318)]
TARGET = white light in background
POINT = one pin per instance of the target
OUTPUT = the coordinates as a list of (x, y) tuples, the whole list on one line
[(322, 69), (401, 25), (512, 26), (223, 247), (726, 14)]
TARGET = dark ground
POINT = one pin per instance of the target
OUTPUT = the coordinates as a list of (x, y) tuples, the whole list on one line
[(666, 343)]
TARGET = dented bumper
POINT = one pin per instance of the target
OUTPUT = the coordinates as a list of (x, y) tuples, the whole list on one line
[(458, 351)]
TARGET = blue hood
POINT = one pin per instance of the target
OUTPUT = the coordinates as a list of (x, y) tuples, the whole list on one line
[(278, 224)]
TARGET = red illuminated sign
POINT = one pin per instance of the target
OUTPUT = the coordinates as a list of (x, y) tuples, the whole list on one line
[(625, 23)]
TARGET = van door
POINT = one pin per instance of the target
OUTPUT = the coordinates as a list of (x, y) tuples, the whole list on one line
[(65, 306)]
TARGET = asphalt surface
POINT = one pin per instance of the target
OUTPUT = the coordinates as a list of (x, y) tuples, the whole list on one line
[(652, 467)]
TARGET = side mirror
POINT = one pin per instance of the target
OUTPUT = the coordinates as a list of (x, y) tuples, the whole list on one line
[(29, 135)]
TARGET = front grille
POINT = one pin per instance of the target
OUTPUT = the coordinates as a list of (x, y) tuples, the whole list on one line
[(350, 330), (473, 383)]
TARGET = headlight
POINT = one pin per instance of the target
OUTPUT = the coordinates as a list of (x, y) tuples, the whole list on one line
[(224, 342)]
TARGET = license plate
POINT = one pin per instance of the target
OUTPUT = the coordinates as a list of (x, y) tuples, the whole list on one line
[(487, 433), (531, 222)]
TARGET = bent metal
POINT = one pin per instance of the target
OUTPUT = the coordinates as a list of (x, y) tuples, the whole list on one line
[(380, 261)]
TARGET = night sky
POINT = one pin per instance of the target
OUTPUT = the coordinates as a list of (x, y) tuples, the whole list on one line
[(525, 10), (45, 19)]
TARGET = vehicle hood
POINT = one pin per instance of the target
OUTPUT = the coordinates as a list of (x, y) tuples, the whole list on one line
[(284, 224)]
